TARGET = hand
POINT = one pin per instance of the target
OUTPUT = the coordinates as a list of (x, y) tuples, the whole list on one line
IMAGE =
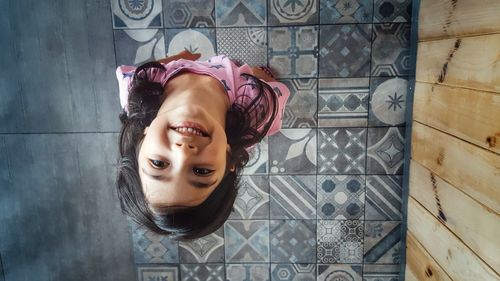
[(182, 55)]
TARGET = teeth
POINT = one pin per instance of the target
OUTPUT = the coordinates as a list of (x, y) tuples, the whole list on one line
[(189, 131)]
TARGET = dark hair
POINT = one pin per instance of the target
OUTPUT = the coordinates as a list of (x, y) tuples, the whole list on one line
[(246, 125)]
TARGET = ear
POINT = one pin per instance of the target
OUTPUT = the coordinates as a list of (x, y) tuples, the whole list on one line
[(146, 130), (232, 168)]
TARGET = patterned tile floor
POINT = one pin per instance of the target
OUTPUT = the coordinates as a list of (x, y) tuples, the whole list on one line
[(320, 200)]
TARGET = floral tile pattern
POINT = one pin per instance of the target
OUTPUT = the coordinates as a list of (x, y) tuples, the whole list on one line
[(135, 47), (387, 101), (346, 11), (390, 49), (341, 151), (206, 249), (293, 241), (293, 197), (301, 110), (190, 13), (293, 272), (341, 197), (163, 272), (150, 247), (293, 51), (293, 12), (385, 150), (259, 156), (240, 12), (198, 272), (345, 50), (247, 241), (293, 151), (136, 14), (253, 198), (383, 197), (392, 11), (340, 241), (343, 102), (247, 272), (248, 45), (195, 40), (376, 272), (382, 242), (339, 272)]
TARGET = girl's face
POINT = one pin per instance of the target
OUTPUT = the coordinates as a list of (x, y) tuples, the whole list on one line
[(182, 158)]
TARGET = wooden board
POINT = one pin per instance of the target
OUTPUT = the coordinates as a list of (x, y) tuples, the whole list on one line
[(452, 18), (420, 265), (471, 169), (459, 262), (472, 62), (476, 225), (467, 114)]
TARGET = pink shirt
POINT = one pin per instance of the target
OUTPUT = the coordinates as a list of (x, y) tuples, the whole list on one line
[(219, 67)]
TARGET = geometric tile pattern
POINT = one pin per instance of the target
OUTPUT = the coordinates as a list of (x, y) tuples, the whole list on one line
[(150, 247), (293, 272), (209, 248), (247, 272), (293, 197), (252, 201), (345, 11), (341, 197), (380, 272), (293, 151), (163, 272), (392, 11), (190, 13), (390, 49), (259, 158), (293, 241), (240, 12), (385, 150), (300, 111), (137, 14), (247, 241), (382, 242), (344, 50), (243, 44), (135, 47), (341, 151), (195, 40), (383, 197), (340, 241), (340, 272), (285, 12), (387, 101), (343, 102), (201, 272)]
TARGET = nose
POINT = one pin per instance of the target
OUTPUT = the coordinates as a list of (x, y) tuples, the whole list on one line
[(187, 148)]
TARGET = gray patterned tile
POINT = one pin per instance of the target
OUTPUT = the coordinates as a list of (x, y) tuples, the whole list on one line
[(199, 272), (346, 11), (150, 247), (252, 201), (259, 156), (293, 197), (301, 108), (189, 13), (341, 197), (293, 151), (341, 272), (340, 241), (293, 272), (376, 272), (345, 50), (392, 11), (245, 44), (163, 272), (136, 14), (134, 47), (390, 49), (293, 51), (382, 242), (385, 152), (293, 241), (343, 102), (247, 272), (383, 197), (240, 12), (342, 151), (246, 241), (387, 101), (293, 12), (195, 40), (209, 248)]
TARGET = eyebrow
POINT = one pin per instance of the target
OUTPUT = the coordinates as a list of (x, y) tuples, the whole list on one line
[(196, 184)]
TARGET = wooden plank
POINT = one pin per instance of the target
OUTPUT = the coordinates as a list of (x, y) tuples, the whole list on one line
[(472, 169), (409, 276), (471, 62), (452, 18), (420, 265), (459, 262), (476, 225), (468, 114)]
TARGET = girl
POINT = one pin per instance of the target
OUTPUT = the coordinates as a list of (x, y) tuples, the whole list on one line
[(187, 129)]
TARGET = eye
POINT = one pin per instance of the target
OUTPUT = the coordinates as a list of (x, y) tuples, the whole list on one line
[(202, 171), (158, 164)]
